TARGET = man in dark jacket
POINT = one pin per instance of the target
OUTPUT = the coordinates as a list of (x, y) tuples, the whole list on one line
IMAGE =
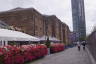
[(84, 44)]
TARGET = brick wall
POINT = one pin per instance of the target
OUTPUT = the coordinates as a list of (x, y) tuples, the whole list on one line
[(36, 24)]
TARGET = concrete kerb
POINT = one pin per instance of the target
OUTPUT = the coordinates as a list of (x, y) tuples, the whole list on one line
[(90, 56)]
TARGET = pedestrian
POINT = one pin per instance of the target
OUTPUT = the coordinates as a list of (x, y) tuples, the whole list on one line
[(84, 44), (78, 45)]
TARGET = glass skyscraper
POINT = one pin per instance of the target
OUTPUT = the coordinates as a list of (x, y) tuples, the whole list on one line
[(78, 14)]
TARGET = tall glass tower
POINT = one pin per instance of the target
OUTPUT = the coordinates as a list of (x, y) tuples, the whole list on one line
[(78, 14)]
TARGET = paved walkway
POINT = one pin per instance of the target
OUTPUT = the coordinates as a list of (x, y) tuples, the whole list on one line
[(69, 56)]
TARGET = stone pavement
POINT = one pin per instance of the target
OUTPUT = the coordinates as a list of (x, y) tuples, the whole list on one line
[(69, 56)]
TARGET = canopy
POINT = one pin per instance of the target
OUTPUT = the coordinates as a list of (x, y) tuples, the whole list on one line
[(52, 39), (11, 35)]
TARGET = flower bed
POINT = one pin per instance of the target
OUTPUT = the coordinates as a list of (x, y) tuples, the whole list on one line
[(56, 47), (20, 55), (25, 53)]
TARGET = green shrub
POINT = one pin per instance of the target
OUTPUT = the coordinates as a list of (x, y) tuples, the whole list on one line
[(48, 43)]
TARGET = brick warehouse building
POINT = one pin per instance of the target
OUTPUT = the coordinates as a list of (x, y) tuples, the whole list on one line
[(30, 21)]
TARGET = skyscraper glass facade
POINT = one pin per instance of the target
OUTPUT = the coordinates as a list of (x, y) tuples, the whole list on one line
[(78, 14)]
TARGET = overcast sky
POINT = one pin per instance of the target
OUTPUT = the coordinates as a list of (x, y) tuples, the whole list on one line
[(60, 8)]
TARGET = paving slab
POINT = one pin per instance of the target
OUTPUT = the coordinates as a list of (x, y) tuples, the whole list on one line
[(69, 56)]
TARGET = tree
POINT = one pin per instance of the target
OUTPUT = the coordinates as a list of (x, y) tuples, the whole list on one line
[(48, 43), (82, 39)]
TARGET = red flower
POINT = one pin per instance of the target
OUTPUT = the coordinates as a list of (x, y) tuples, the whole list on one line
[(19, 55), (57, 47)]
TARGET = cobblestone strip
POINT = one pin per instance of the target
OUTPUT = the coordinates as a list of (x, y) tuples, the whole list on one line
[(91, 57)]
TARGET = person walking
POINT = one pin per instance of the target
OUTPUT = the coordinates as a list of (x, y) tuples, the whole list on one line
[(84, 44), (78, 45)]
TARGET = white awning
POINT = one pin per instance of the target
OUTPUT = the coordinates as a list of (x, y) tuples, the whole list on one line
[(53, 39), (11, 35)]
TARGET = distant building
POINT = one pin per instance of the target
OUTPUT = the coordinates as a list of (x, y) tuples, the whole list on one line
[(78, 14)]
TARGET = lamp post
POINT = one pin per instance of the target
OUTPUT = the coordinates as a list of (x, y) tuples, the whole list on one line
[(47, 37)]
